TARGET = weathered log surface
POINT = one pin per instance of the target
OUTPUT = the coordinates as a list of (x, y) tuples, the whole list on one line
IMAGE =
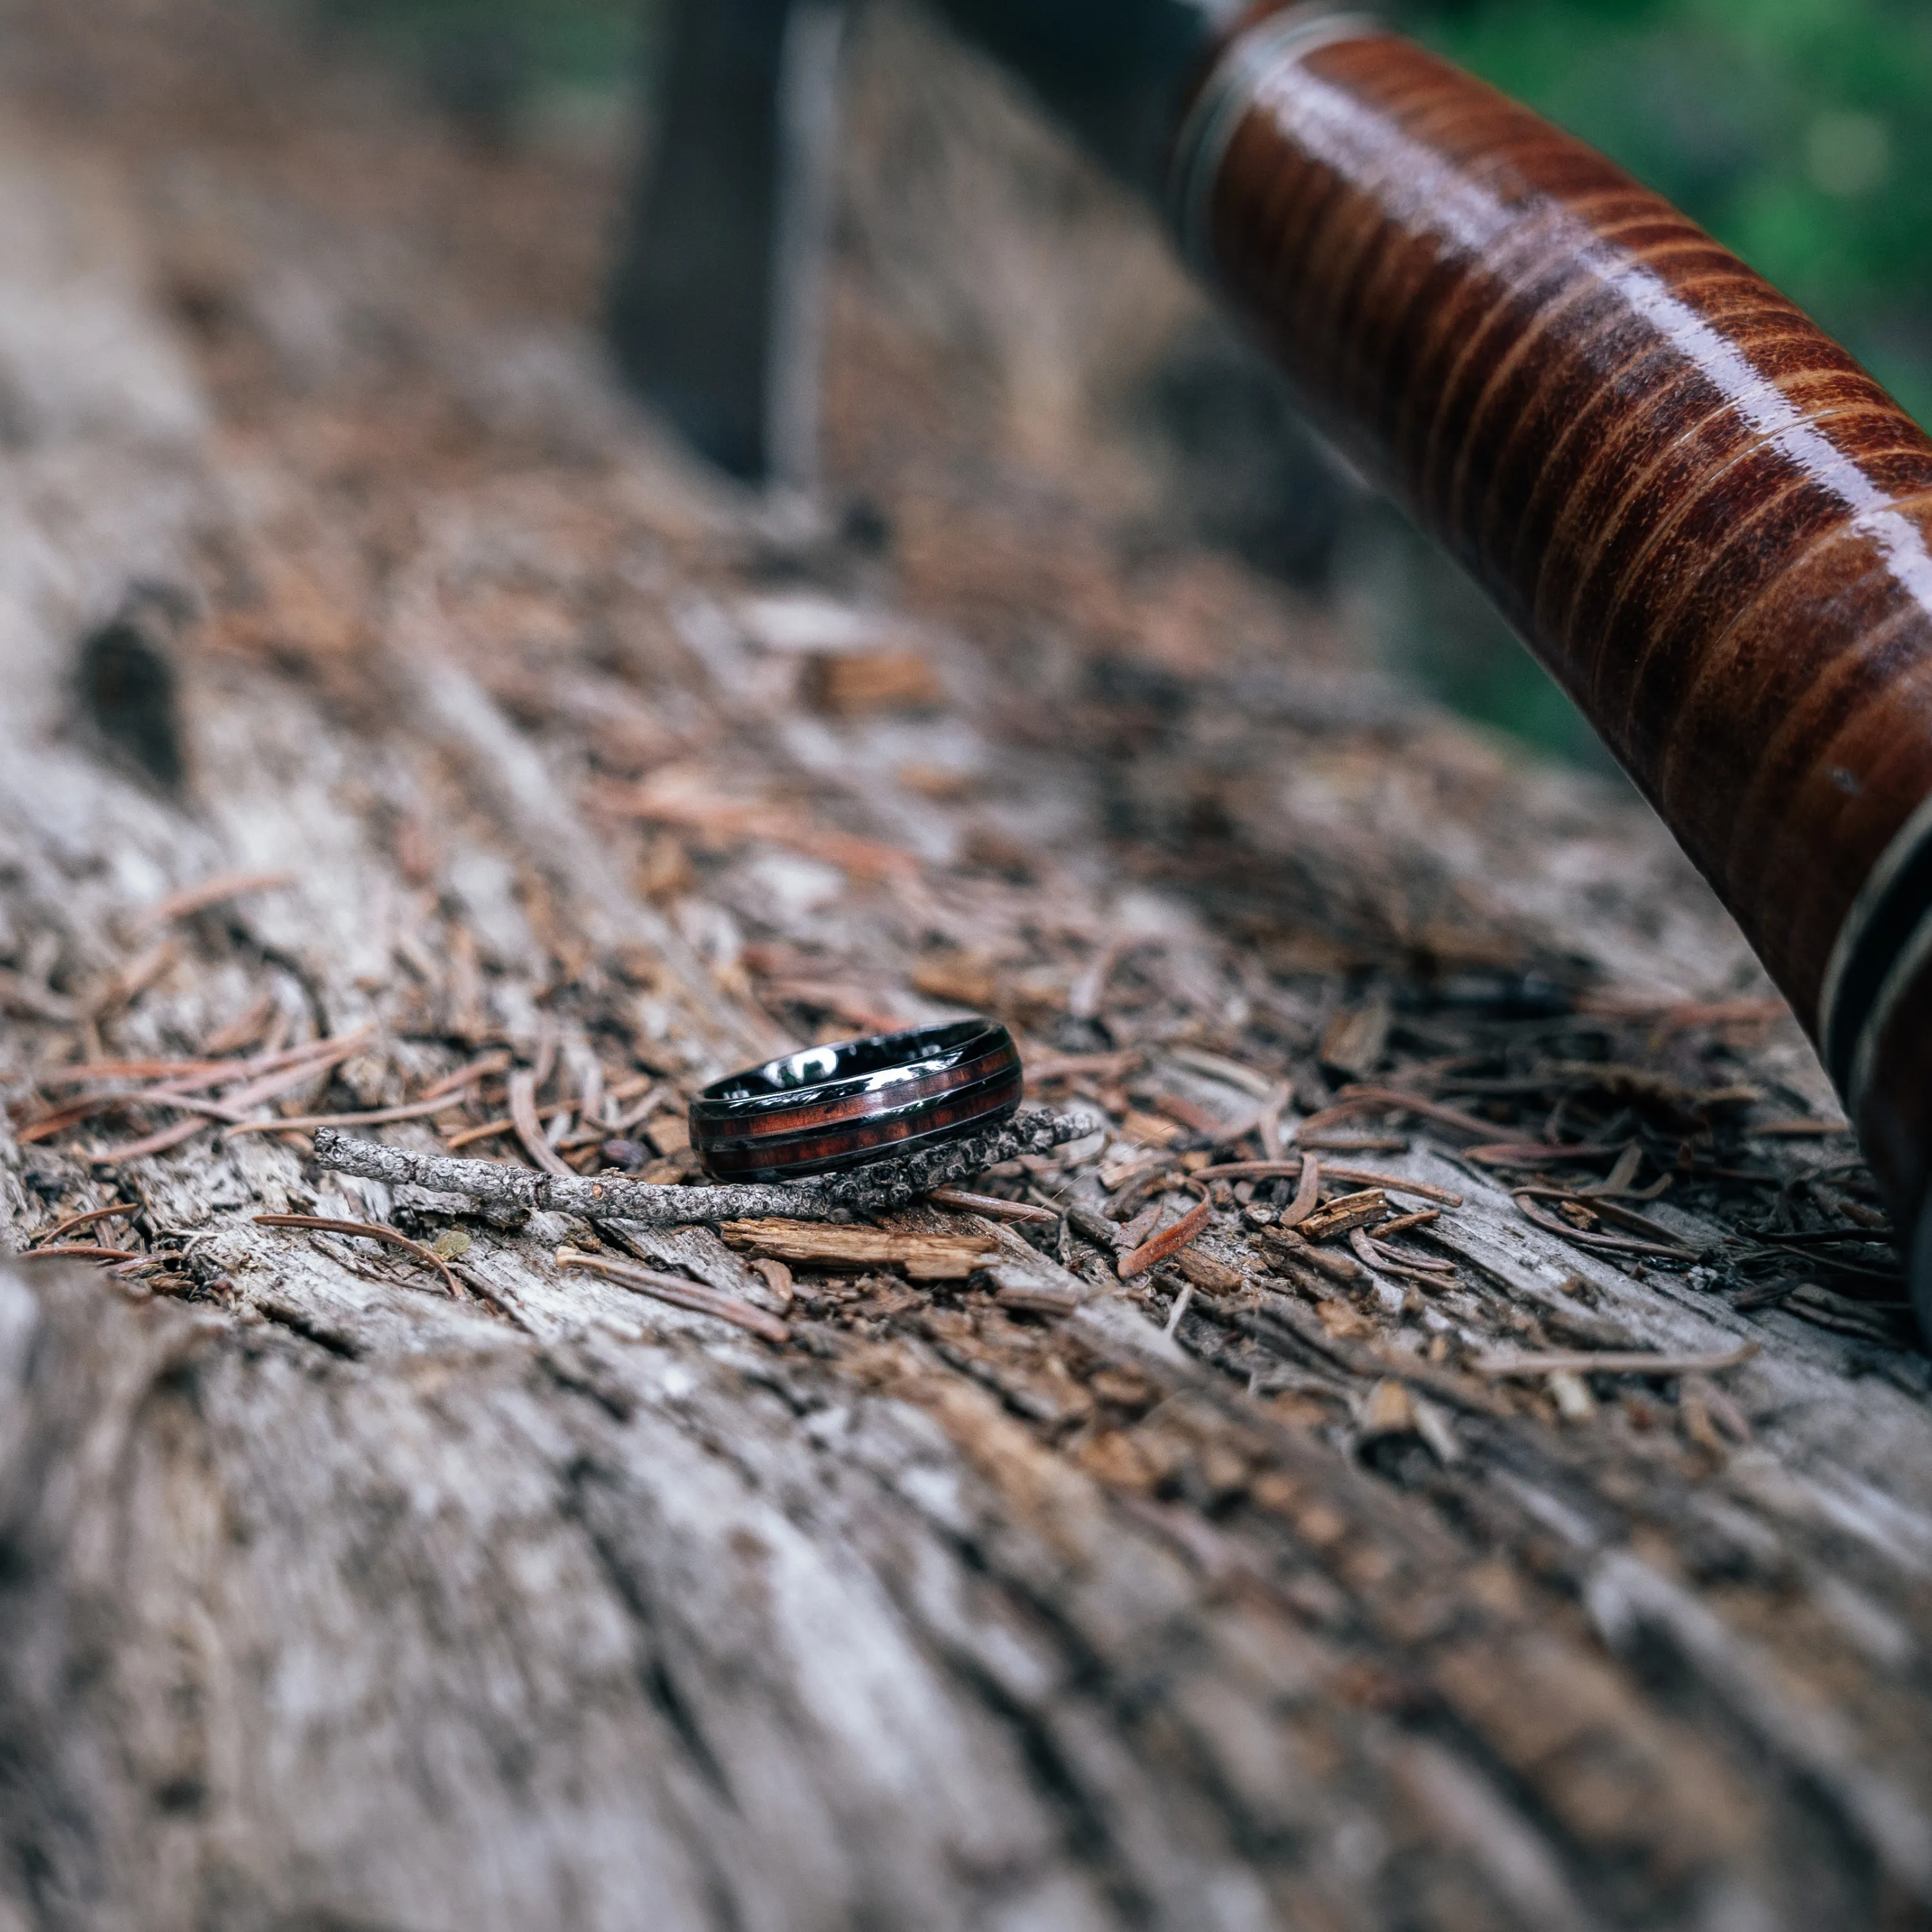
[(331, 1600)]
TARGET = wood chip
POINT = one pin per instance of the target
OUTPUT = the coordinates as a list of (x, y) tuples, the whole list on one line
[(1210, 1276), (1574, 1402), (1343, 1321), (1389, 1411), (1034, 1297), (1170, 1241), (1125, 1166), (1355, 1042), (923, 1257), (1339, 1217), (1436, 1429), (1289, 1247), (853, 684)]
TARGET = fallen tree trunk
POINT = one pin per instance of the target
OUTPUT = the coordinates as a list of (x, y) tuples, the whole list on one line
[(1278, 1591)]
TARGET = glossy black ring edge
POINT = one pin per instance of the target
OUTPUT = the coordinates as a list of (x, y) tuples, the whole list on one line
[(864, 1156), (717, 1141), (728, 1126), (918, 1047)]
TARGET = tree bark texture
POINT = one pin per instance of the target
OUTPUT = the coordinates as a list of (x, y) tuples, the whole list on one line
[(1049, 1601)]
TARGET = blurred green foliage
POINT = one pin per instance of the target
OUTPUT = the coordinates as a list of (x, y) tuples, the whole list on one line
[(1799, 132), (576, 43)]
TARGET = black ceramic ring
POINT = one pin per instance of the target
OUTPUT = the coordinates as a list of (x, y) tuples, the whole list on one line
[(831, 1107)]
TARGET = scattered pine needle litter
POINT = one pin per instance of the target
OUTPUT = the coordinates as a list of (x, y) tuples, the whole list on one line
[(73, 1223), (1356, 1176), (990, 1204), (680, 1293), (380, 1117), (370, 1230), (81, 1252), (1662, 1245), (210, 893)]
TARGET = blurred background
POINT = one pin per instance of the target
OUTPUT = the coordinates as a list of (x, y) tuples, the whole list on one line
[(998, 309)]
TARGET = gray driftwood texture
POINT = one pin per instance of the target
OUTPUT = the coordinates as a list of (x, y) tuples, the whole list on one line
[(330, 1604)]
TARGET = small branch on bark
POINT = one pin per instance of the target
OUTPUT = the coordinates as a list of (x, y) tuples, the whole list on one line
[(874, 1188)]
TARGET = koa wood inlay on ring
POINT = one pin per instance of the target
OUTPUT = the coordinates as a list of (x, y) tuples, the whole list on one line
[(831, 1107), (1708, 521)]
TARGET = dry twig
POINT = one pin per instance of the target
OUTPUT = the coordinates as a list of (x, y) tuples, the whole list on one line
[(874, 1188)]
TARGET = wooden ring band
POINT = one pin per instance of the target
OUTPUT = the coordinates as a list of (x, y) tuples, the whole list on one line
[(832, 1107)]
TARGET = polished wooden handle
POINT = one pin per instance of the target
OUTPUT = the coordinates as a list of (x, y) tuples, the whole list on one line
[(1707, 521)]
